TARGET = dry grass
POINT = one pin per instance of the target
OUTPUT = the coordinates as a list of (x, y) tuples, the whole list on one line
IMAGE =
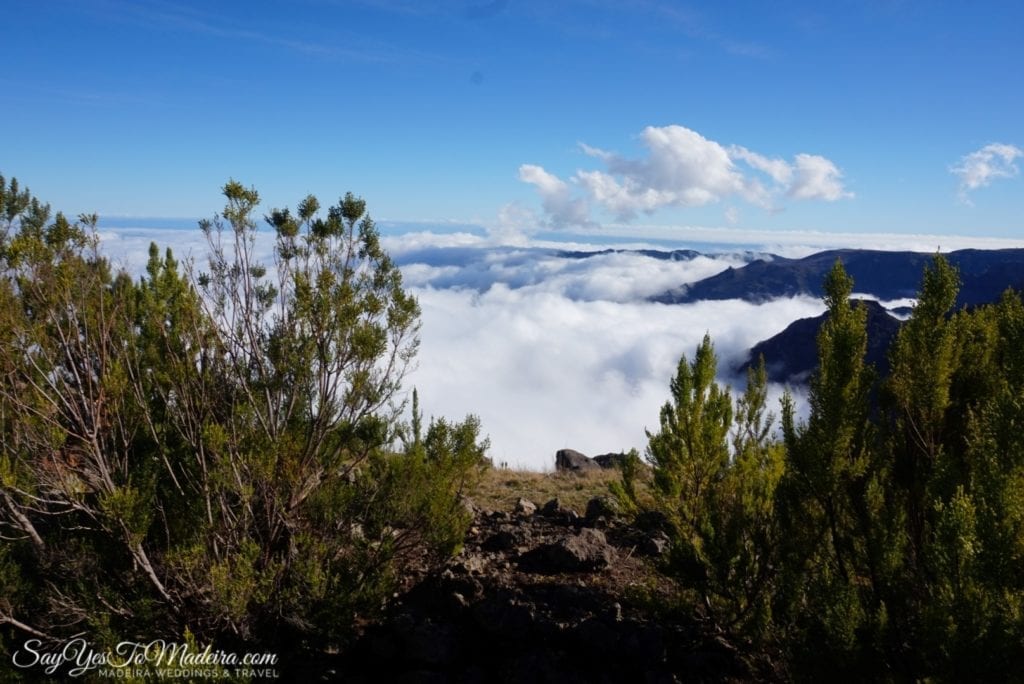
[(500, 488)]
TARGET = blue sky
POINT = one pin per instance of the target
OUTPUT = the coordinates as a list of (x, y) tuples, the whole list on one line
[(575, 116)]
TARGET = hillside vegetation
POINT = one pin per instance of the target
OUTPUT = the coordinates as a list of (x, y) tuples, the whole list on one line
[(212, 456), (215, 454), (883, 537)]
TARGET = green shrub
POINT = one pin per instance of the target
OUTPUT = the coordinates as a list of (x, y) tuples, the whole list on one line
[(209, 451)]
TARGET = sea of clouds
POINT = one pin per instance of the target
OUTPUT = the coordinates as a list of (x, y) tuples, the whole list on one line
[(554, 351), (550, 348)]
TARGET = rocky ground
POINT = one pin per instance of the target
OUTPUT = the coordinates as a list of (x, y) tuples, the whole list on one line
[(548, 594)]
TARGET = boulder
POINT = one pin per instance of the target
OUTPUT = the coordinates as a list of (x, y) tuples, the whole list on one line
[(507, 538), (502, 540), (610, 461), (572, 461), (525, 507), (587, 551), (601, 507), (554, 510)]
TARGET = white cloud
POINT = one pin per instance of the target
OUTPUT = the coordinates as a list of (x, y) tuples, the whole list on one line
[(978, 169), (816, 177), (789, 243), (620, 277), (595, 152), (514, 224), (779, 170), (685, 165), (424, 239), (544, 371), (561, 208), (556, 351), (682, 168)]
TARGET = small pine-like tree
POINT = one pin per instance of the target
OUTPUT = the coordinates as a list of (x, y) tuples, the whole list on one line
[(715, 472), (827, 496)]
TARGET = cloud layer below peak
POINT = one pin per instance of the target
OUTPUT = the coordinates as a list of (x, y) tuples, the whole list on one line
[(682, 168)]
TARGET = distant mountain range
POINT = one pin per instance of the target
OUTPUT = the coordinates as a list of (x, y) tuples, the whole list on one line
[(791, 355), (985, 274), (660, 254)]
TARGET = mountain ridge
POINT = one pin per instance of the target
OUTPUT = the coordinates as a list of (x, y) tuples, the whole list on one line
[(792, 355), (985, 275)]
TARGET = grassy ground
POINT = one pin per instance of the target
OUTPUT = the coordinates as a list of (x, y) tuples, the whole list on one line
[(500, 488)]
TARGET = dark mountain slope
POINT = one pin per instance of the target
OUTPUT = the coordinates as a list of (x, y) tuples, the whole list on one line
[(887, 275), (791, 355)]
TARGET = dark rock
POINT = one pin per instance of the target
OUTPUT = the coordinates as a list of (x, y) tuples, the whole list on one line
[(596, 637), (587, 551), (661, 678), (499, 541), (552, 507), (468, 587), (601, 507), (610, 461), (507, 619), (654, 545), (506, 538), (382, 645), (542, 665), (646, 644), (554, 510), (652, 521), (570, 460), (422, 677), (431, 644)]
